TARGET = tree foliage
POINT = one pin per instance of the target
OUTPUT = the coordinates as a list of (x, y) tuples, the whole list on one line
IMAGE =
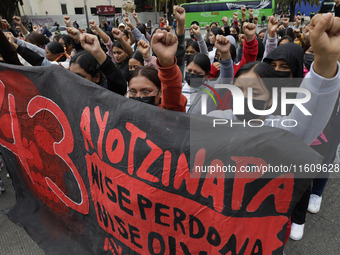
[(291, 4), (8, 8)]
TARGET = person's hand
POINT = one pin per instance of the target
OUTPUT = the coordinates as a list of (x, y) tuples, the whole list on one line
[(17, 20), (285, 22), (164, 45), (91, 44), (5, 22), (93, 25), (67, 20), (36, 29), (128, 23), (144, 48), (10, 37), (325, 40), (222, 44), (179, 13), (241, 38), (217, 65), (243, 11), (298, 20), (225, 20), (135, 16), (273, 24), (296, 32), (117, 34), (256, 20), (196, 29), (235, 15), (249, 30), (73, 33), (251, 12)]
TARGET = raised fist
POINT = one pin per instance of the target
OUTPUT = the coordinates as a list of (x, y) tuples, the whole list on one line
[(144, 48), (93, 24), (67, 20), (17, 20), (195, 29), (179, 13), (164, 45), (73, 33), (222, 44), (273, 24), (117, 34), (249, 30)]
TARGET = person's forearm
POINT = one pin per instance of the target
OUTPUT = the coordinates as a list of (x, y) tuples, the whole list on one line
[(24, 30), (30, 46), (325, 66), (180, 28), (127, 48), (202, 45), (102, 35)]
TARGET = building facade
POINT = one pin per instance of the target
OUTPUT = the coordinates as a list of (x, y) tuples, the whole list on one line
[(65, 7)]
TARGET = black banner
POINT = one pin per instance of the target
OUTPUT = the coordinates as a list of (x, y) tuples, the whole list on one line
[(98, 173)]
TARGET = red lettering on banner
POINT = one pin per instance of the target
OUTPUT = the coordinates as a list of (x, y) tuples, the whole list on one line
[(135, 134), (242, 178), (282, 196), (101, 124), (214, 187), (85, 127), (116, 155), (147, 162), (166, 168), (165, 222)]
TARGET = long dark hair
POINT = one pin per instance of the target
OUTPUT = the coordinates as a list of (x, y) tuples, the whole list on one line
[(149, 73), (57, 48), (201, 60), (87, 62)]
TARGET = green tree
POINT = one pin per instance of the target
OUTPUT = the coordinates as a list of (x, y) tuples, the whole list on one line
[(8, 8), (285, 4)]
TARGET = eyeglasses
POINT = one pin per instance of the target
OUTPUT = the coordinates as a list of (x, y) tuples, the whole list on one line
[(143, 93)]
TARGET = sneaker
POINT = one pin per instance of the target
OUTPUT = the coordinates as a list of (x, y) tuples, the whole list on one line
[(296, 232), (314, 203)]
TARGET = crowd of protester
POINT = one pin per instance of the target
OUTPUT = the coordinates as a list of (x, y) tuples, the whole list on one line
[(165, 69)]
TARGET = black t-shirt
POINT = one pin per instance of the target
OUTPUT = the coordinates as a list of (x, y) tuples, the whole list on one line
[(337, 11)]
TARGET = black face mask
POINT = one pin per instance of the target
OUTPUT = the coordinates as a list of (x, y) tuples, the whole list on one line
[(248, 115), (308, 60), (216, 60), (283, 74), (192, 36), (196, 81), (235, 36), (148, 100), (284, 79)]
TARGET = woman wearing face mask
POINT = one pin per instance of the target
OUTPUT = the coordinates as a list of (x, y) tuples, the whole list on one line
[(287, 61), (198, 69), (161, 88)]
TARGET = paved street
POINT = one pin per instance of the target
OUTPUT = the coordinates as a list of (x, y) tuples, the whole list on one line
[(322, 235)]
